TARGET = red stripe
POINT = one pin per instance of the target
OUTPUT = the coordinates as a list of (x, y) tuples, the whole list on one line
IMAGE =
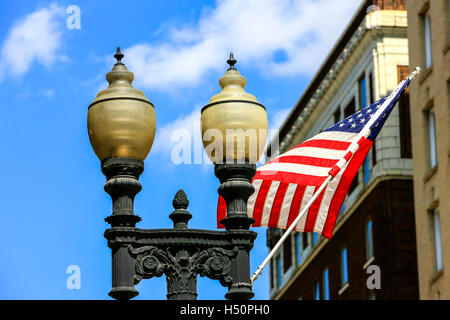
[(344, 185), (297, 178), (311, 161), (362, 140), (348, 155), (260, 200), (295, 204), (312, 212), (277, 203), (326, 144), (221, 211)]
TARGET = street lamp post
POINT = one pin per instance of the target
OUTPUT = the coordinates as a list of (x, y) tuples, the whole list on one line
[(121, 125)]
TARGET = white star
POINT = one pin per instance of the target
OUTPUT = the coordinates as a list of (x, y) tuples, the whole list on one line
[(363, 120), (370, 110), (353, 125), (371, 115), (350, 120), (359, 115), (341, 125)]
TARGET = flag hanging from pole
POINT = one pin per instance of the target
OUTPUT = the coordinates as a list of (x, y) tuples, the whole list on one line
[(285, 185)]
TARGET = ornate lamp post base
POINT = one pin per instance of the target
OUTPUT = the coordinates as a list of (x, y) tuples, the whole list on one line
[(181, 254)]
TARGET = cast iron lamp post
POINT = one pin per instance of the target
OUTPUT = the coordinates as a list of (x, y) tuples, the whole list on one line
[(121, 125)]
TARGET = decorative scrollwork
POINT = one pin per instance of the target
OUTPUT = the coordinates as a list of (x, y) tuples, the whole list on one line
[(181, 266), (215, 263)]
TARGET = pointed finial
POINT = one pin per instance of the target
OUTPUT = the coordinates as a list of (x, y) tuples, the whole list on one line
[(231, 61), (180, 216), (180, 201), (118, 56)]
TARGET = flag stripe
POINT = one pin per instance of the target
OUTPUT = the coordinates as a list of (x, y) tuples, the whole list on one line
[(308, 194), (285, 208), (326, 144), (260, 200), (269, 202), (312, 213), (277, 203), (326, 201), (290, 177), (323, 153), (297, 168), (252, 200), (318, 162), (296, 204)]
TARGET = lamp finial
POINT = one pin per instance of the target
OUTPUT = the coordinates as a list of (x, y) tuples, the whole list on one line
[(118, 56), (231, 61)]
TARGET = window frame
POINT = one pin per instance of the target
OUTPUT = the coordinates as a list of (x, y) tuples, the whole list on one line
[(326, 284), (344, 271), (432, 143), (428, 45), (369, 244), (437, 240)]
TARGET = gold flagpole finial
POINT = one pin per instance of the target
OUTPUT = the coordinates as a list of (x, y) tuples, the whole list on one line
[(415, 73)]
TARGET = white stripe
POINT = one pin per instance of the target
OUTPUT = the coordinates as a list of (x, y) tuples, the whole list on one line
[(268, 202), (252, 199), (309, 192), (335, 135), (286, 206), (326, 201), (314, 152), (296, 168)]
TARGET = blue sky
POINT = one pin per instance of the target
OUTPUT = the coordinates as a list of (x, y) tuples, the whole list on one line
[(52, 197)]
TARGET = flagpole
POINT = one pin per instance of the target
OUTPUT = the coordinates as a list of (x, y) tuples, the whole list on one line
[(353, 147)]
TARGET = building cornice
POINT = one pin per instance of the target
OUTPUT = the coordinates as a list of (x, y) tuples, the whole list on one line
[(378, 23)]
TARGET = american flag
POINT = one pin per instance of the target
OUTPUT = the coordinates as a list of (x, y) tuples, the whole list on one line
[(285, 185)]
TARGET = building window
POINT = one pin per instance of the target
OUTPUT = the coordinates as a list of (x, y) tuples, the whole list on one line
[(337, 115), (279, 272), (344, 267), (305, 240), (363, 102), (372, 100), (326, 285), (437, 240), (428, 48), (362, 91), (432, 139), (287, 254), (369, 240), (316, 290), (298, 240), (348, 111)]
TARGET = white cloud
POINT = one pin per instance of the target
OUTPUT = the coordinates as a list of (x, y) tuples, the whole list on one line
[(278, 118), (36, 37), (182, 133), (259, 32), (185, 131), (48, 93)]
